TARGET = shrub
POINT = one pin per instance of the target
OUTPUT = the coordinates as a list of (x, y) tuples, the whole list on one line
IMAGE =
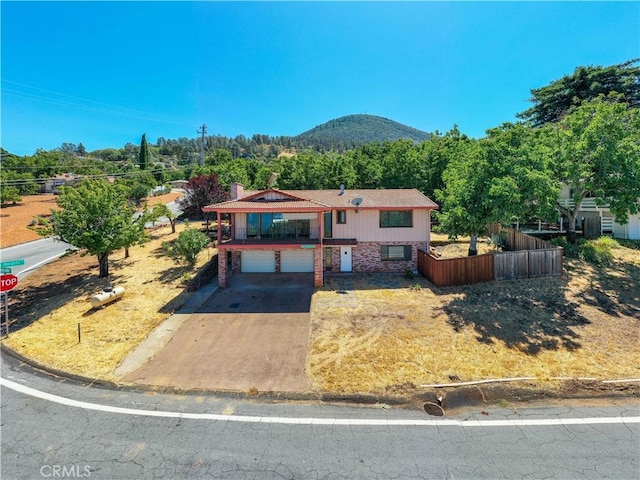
[(612, 243), (633, 244), (597, 251), (408, 274), (570, 250), (187, 246)]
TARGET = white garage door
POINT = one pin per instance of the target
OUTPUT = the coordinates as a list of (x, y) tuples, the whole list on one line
[(296, 260), (263, 261)]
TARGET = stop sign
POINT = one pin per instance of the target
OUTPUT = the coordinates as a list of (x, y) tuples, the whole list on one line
[(8, 282)]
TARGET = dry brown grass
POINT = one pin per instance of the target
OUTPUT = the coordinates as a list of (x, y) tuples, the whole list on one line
[(49, 304), (378, 333), (445, 248)]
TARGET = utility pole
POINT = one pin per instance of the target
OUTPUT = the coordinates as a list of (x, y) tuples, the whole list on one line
[(203, 131)]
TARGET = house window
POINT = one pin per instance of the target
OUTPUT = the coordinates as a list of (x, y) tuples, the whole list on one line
[(390, 253), (396, 218), (327, 225), (342, 216)]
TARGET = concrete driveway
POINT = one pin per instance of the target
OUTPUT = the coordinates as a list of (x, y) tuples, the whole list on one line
[(252, 334)]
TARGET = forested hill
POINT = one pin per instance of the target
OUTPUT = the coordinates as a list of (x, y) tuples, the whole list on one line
[(354, 130)]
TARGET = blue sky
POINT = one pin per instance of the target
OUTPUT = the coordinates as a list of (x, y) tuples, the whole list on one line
[(104, 73)]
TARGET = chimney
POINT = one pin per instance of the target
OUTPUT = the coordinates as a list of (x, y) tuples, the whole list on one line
[(237, 190), (342, 189)]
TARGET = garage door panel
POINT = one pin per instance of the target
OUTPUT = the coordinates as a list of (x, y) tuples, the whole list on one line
[(297, 261), (263, 261)]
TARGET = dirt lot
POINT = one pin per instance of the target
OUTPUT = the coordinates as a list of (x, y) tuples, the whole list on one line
[(14, 219)]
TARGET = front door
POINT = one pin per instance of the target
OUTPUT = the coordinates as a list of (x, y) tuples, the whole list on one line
[(345, 259)]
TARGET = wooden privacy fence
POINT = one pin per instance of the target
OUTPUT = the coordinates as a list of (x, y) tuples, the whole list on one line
[(537, 259), (444, 272)]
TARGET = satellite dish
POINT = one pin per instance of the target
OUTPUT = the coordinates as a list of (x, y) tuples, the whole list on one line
[(356, 201)]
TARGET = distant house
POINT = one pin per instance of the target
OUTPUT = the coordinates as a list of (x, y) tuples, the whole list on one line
[(590, 211), (592, 220), (52, 185), (178, 183), (319, 231)]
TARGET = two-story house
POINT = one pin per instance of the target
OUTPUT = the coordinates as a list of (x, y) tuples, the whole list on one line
[(606, 224), (322, 230)]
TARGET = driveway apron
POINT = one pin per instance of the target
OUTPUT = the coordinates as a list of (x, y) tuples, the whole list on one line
[(252, 334)]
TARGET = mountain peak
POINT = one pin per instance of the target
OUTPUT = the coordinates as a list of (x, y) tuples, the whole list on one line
[(358, 129)]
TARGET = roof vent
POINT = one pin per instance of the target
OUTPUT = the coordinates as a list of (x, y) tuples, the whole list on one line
[(342, 189)]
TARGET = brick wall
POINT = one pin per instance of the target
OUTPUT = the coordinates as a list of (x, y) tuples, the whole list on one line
[(235, 261), (367, 257), (318, 268), (335, 259), (222, 269)]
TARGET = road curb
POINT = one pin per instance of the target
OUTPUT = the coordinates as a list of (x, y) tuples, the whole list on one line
[(452, 397)]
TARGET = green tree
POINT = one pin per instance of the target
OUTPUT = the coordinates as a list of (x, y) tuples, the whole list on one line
[(9, 195), (144, 155), (96, 215), (495, 179), (552, 102), (596, 153), (218, 155), (434, 156), (139, 185), (187, 246), (162, 210), (367, 163)]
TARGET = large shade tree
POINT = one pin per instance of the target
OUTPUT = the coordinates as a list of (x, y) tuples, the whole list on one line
[(97, 216), (563, 96), (596, 153), (495, 179)]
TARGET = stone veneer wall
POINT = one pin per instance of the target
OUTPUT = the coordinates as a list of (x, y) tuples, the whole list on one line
[(366, 257)]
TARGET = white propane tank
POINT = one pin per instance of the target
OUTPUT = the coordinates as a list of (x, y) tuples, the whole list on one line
[(108, 295)]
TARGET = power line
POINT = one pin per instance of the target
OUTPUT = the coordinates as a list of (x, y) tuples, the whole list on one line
[(23, 181), (81, 103)]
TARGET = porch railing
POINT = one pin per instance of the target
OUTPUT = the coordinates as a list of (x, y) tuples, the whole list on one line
[(275, 233)]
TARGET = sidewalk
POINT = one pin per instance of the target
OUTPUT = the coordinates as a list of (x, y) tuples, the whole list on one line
[(157, 339)]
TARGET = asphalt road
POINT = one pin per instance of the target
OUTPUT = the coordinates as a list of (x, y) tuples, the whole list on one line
[(35, 254), (90, 432)]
